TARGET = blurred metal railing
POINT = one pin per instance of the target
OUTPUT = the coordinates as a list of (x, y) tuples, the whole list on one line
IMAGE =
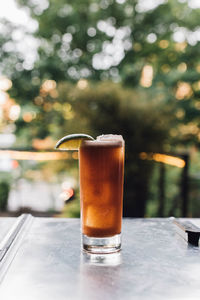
[(180, 160)]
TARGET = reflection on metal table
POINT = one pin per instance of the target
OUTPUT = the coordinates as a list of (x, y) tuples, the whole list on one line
[(43, 260)]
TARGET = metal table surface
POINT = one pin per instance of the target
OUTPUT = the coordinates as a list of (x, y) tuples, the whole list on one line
[(47, 263), (5, 224)]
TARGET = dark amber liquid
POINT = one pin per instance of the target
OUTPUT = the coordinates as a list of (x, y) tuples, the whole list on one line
[(101, 187)]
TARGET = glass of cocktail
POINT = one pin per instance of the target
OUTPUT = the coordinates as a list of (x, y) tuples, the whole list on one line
[(101, 163)]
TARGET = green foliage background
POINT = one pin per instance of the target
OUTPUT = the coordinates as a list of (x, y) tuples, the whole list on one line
[(70, 36)]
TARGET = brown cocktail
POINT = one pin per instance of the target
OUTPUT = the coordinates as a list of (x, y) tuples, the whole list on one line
[(101, 192)]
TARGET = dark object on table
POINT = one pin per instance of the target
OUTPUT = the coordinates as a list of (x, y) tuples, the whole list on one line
[(188, 231)]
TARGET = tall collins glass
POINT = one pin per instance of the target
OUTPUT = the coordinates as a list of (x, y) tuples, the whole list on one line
[(101, 193)]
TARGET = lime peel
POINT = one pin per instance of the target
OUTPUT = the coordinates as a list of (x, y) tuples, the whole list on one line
[(72, 141)]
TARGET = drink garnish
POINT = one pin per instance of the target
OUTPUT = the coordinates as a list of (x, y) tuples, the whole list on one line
[(72, 141)]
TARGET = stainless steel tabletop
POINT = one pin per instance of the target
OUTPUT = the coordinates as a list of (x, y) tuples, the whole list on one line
[(5, 224), (155, 263)]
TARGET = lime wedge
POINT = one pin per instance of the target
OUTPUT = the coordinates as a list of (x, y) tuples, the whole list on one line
[(72, 141)]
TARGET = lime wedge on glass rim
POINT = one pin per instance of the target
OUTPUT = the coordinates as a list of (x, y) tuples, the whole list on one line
[(72, 141)]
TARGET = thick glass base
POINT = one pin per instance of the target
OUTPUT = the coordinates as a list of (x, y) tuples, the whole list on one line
[(101, 245)]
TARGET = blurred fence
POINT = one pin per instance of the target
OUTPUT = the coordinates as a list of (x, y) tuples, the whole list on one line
[(9, 164)]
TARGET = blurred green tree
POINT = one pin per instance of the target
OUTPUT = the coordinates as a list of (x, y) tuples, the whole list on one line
[(152, 46)]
